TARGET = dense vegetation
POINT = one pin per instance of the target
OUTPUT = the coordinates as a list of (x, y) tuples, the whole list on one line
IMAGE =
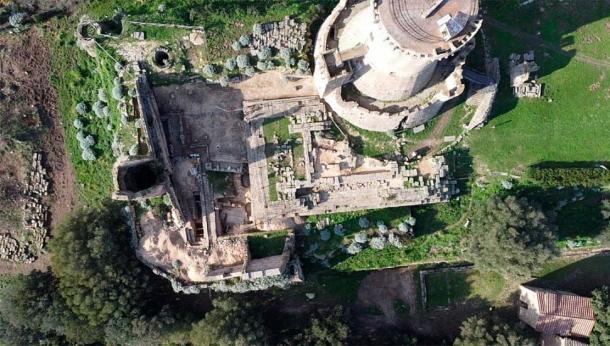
[(572, 176), (509, 236), (491, 330), (601, 307)]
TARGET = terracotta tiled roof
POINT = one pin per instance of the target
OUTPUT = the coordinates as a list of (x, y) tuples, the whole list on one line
[(564, 314)]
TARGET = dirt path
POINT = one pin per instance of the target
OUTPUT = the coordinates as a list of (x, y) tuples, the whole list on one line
[(435, 139), (534, 40)]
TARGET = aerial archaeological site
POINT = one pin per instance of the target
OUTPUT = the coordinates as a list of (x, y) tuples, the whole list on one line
[(305, 172)]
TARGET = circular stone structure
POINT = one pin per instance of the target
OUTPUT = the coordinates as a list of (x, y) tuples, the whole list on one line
[(406, 52)]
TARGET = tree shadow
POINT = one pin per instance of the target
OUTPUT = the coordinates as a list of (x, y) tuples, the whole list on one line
[(579, 277)]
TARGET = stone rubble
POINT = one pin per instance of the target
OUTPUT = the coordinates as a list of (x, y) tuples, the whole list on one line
[(35, 217), (285, 34)]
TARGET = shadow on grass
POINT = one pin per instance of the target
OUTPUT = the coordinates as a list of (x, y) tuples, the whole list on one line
[(579, 277)]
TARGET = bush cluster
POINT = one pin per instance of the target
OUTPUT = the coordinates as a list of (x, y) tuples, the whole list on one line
[(571, 176)]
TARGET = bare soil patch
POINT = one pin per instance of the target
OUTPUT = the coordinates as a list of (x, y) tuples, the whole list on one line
[(30, 99)]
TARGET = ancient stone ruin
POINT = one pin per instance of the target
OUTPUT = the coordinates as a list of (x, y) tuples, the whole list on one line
[(522, 78)]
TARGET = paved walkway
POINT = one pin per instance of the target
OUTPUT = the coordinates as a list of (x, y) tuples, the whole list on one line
[(535, 40)]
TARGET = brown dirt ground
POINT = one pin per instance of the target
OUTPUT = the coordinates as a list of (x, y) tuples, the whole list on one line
[(26, 65), (383, 288)]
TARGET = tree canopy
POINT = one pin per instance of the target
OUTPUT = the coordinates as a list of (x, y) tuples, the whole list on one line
[(483, 331), (325, 329), (601, 307), (510, 236), (99, 276), (230, 323)]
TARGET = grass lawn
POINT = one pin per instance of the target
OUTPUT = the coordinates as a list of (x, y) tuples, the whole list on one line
[(77, 78), (573, 127), (220, 181), (267, 244), (576, 275), (568, 24), (446, 288)]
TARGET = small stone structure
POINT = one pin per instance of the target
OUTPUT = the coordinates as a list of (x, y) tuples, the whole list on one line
[(521, 75)]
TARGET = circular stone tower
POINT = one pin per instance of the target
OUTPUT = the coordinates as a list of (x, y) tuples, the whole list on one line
[(406, 53), (407, 39)]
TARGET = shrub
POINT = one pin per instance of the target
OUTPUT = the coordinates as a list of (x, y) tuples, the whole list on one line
[(377, 243), (291, 62), (118, 67), (571, 176), (286, 54), (81, 108), (133, 150), (162, 7), (245, 40), (361, 237), (101, 95), (88, 141), (354, 248), (270, 65), (230, 64), (339, 230), (80, 136), (116, 81), (257, 29), (98, 107), (78, 123), (382, 228), (243, 61), (264, 53), (403, 228), (224, 81), (363, 222), (16, 20), (325, 235), (395, 240), (411, 221), (124, 119), (106, 111), (261, 65), (249, 71), (303, 66), (236, 46), (117, 92), (132, 92), (88, 154), (210, 70)]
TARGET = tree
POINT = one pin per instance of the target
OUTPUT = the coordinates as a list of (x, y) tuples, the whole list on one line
[(236, 46), (32, 309), (245, 40), (325, 329), (210, 70), (483, 331), (16, 19), (81, 108), (99, 277), (243, 61), (264, 53), (230, 323), (510, 236), (601, 307), (230, 64)]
